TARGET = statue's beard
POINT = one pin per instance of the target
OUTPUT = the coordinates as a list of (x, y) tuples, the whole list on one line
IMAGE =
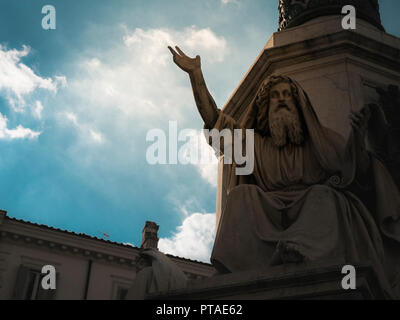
[(285, 126)]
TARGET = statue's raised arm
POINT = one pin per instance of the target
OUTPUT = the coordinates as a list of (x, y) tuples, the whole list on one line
[(204, 101)]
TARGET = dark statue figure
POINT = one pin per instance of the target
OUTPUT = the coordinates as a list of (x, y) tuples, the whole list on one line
[(383, 136), (312, 195), (384, 130), (296, 12)]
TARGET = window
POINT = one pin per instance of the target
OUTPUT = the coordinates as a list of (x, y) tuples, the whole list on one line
[(28, 285), (120, 287), (34, 285)]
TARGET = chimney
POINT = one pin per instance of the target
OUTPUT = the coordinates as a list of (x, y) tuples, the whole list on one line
[(150, 236), (3, 215)]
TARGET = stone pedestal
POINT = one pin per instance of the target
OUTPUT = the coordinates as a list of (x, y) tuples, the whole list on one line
[(290, 282)]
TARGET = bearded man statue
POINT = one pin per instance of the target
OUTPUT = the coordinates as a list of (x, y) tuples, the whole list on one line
[(311, 197)]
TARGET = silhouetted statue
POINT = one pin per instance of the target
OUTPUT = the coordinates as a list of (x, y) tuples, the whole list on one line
[(312, 195)]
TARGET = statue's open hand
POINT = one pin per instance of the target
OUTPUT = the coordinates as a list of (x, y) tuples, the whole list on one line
[(184, 62), (360, 120)]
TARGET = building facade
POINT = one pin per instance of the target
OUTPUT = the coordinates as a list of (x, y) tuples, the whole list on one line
[(87, 268)]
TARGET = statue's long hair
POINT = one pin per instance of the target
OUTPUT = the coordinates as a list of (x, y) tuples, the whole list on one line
[(256, 117)]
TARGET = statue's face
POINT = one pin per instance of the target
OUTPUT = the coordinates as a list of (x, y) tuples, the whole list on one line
[(284, 119), (281, 98), (142, 262)]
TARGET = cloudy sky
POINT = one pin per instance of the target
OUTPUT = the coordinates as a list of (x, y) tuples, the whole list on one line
[(76, 104)]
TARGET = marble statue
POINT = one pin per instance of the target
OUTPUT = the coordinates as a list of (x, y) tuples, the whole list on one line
[(312, 195), (155, 274)]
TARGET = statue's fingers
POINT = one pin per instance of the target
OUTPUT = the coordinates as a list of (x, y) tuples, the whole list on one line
[(180, 52), (172, 51), (353, 113), (355, 120), (352, 116), (357, 115)]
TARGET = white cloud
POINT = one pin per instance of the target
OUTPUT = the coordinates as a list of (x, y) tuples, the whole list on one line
[(209, 172), (17, 80), (193, 240), (37, 111), (72, 117), (17, 84), (207, 164), (129, 244), (209, 169), (228, 1), (138, 78), (96, 136), (134, 87), (18, 133), (85, 130), (155, 41), (60, 81)]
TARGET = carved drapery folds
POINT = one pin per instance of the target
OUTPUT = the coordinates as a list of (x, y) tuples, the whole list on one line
[(384, 129)]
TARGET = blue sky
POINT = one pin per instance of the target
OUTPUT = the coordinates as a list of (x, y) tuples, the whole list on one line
[(79, 100)]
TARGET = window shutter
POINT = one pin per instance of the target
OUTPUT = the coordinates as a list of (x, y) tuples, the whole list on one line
[(21, 283), (47, 294)]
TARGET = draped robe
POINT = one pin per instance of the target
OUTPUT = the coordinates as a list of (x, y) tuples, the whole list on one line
[(163, 275), (308, 196)]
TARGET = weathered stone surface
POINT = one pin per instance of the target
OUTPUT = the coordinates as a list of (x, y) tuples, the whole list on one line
[(150, 235), (320, 281), (384, 134), (297, 12)]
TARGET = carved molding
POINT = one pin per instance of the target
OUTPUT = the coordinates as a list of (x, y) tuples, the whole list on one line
[(296, 12), (67, 249)]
